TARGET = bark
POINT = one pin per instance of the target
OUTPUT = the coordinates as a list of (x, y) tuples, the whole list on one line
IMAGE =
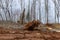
[(40, 10), (46, 9)]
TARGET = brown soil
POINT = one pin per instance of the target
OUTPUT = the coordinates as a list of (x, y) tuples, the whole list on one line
[(17, 34), (9, 32)]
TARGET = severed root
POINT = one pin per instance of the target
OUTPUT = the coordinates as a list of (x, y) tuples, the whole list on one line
[(31, 25)]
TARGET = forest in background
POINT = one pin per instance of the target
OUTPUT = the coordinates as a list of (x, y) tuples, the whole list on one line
[(46, 11)]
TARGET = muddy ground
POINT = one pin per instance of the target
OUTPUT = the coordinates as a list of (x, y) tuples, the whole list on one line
[(13, 31), (15, 34)]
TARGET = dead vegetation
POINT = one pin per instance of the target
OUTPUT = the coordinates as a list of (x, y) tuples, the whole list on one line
[(33, 25), (36, 25)]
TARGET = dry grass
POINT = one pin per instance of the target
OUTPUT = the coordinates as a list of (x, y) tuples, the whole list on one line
[(57, 26)]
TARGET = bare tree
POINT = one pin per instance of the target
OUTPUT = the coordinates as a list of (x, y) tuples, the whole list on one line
[(11, 16), (55, 9), (31, 13), (40, 10), (7, 9), (56, 2), (21, 4), (0, 9), (33, 9), (58, 11), (3, 8), (1, 16), (28, 14), (46, 9), (22, 17)]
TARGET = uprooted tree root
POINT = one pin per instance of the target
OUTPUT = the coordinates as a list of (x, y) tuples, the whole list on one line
[(31, 25)]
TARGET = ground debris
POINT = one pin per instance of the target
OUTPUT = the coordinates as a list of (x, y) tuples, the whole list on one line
[(16, 34), (43, 33)]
